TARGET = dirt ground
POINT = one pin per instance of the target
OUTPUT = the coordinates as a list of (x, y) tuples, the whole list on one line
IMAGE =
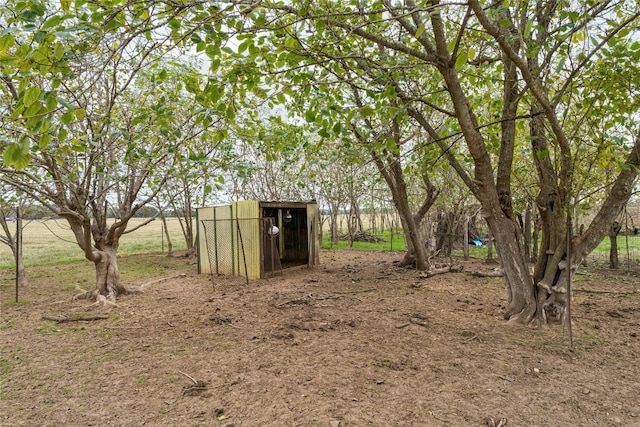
[(356, 342)]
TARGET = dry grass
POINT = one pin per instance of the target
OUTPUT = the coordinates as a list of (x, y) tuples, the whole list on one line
[(356, 342), (51, 241)]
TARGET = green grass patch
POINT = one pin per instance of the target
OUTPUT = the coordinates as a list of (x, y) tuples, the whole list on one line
[(13, 302), (631, 242), (5, 365), (389, 240), (6, 324)]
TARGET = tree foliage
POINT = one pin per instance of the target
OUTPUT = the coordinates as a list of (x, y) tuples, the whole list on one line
[(497, 90)]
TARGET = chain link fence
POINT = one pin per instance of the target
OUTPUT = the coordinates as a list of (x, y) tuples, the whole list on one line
[(238, 250)]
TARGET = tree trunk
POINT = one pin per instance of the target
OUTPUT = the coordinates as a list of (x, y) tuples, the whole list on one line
[(12, 241), (490, 249), (20, 270), (613, 250), (391, 171), (333, 225), (22, 273), (413, 237), (496, 204), (444, 230), (521, 306), (527, 233), (166, 234), (535, 237), (108, 275)]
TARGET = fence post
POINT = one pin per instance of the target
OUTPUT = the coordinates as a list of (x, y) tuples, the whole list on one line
[(466, 239), (18, 247)]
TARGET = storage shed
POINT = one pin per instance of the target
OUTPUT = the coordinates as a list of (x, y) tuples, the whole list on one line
[(257, 239)]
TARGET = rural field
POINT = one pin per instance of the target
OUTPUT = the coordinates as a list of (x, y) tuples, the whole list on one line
[(51, 241), (355, 342)]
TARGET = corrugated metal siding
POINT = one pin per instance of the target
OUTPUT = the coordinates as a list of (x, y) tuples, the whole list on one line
[(313, 227), (225, 242), (247, 214), (298, 239)]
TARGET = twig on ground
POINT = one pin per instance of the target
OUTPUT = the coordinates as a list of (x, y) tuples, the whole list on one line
[(65, 319), (302, 300), (162, 279), (358, 292), (588, 291), (470, 339), (188, 376)]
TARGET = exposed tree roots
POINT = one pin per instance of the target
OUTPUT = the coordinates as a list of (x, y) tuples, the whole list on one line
[(110, 300)]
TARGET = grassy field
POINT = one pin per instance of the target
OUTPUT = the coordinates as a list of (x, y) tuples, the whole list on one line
[(390, 240), (51, 242)]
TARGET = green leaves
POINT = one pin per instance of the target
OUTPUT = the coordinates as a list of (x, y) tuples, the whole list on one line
[(17, 155), (461, 59), (6, 42), (30, 96)]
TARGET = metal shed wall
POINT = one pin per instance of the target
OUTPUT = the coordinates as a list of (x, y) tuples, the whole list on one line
[(238, 226), (246, 214)]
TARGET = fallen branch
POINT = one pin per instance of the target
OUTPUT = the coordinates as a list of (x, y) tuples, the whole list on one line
[(418, 319), (442, 270), (65, 319), (419, 322), (302, 300), (588, 291), (137, 289), (491, 273), (358, 292)]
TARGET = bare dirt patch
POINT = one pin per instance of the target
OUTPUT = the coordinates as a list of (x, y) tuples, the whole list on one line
[(357, 342)]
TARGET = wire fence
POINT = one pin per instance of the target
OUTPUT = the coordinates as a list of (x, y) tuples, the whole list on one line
[(237, 250), (393, 240), (52, 241), (628, 253)]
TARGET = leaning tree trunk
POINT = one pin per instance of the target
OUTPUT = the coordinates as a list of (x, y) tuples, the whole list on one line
[(189, 235), (391, 171), (521, 306), (495, 205)]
